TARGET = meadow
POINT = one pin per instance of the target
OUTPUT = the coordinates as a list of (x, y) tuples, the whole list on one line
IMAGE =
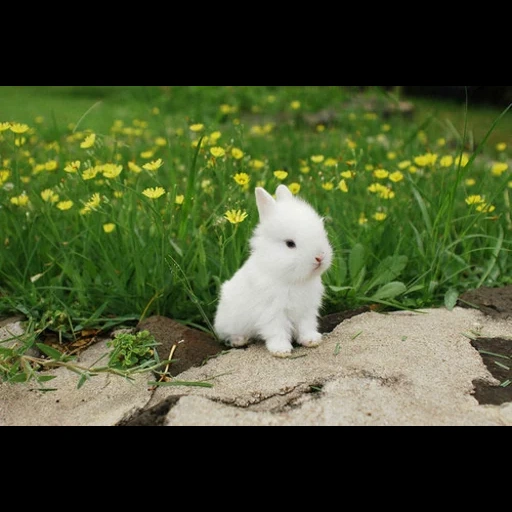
[(117, 203)]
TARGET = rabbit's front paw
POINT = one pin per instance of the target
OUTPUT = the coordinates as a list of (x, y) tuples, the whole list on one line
[(238, 341), (311, 340), (279, 348)]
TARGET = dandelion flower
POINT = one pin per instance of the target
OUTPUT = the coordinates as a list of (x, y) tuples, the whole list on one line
[(343, 186), (4, 126), (88, 141), (501, 146), (73, 167), (363, 219), (381, 174), (295, 105), (256, 164), (20, 141), (161, 141), (4, 176), (93, 202), (21, 200), (475, 199), (19, 128), (317, 159), (198, 127), (331, 162), (348, 175), (305, 169), (428, 160), (217, 152), (485, 208), (179, 199), (237, 154), (154, 193), (499, 168), (396, 177), (470, 182), (462, 160), (447, 161), (109, 227), (380, 216), (328, 186), (112, 171), (153, 166), (404, 165), (242, 178), (65, 205), (281, 175), (294, 188), (235, 216), (49, 196), (147, 154), (134, 167)]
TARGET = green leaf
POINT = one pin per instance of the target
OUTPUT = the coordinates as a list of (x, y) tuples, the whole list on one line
[(49, 351), (390, 291), (83, 379), (46, 378), (389, 268), (339, 289), (356, 261), (451, 298)]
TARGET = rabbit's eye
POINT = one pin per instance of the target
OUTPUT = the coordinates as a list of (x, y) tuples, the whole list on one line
[(291, 244)]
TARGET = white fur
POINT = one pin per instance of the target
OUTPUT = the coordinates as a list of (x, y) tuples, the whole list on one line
[(276, 295)]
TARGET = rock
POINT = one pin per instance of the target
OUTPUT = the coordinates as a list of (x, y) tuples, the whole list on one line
[(193, 347)]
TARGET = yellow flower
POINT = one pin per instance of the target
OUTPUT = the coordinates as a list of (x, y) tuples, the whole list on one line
[(462, 160), (161, 141), (348, 175), (112, 171), (441, 142), (4, 176), (305, 169), (392, 155), (295, 105), (447, 161), (317, 159), (381, 174), (363, 219), (198, 127), (380, 216), (476, 199), (396, 177), (404, 165), (386, 128), (118, 194), (49, 196), (470, 182), (147, 154), (501, 146), (320, 128), (21, 200), (428, 160), (93, 202), (179, 199), (88, 141), (256, 164), (214, 137), (331, 162), (235, 216), (65, 205), (154, 193), (343, 186), (237, 154), (294, 188), (19, 128), (20, 141), (109, 227), (51, 165), (90, 173), (413, 169), (329, 185), (281, 175), (153, 166), (485, 208), (217, 152), (155, 111), (134, 167), (73, 167), (4, 126), (242, 178), (498, 168)]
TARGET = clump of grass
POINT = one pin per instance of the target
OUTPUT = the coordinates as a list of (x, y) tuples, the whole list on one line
[(90, 220)]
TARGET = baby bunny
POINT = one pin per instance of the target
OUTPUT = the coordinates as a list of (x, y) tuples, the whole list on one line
[(276, 295)]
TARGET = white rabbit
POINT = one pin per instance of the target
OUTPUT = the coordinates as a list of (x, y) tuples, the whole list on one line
[(276, 295)]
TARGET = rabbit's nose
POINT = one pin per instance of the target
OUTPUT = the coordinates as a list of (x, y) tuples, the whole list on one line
[(319, 259)]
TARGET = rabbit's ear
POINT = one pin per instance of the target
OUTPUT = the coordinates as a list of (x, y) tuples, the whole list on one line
[(265, 202), (283, 192)]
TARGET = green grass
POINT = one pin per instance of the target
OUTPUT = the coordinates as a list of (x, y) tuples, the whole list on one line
[(405, 238)]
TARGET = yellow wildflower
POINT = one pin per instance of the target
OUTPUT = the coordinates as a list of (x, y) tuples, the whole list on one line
[(161, 141), (217, 152), (475, 199), (485, 208), (381, 174), (502, 146), (65, 205), (331, 162), (447, 161), (317, 159), (198, 127), (134, 167), (235, 216), (73, 166), (154, 193), (237, 154), (380, 216), (428, 160), (392, 155), (343, 186), (19, 128), (4, 176), (109, 227), (112, 171), (329, 185), (305, 169), (49, 196), (88, 141), (93, 202), (179, 199), (404, 165), (242, 178), (281, 175), (90, 173), (294, 188), (470, 182), (462, 160), (20, 141), (498, 168), (4, 126), (396, 177), (21, 200), (147, 154), (348, 175), (295, 105), (256, 164), (153, 166), (363, 219)]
